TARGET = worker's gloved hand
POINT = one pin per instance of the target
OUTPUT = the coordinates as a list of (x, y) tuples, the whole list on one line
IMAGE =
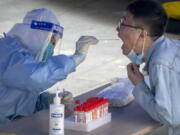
[(82, 46), (68, 101), (66, 97)]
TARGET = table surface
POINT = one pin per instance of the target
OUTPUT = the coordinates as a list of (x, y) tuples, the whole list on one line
[(128, 120)]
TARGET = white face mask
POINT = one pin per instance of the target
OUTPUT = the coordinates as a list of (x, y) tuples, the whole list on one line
[(136, 58)]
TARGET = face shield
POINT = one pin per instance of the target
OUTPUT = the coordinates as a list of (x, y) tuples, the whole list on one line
[(40, 33), (52, 43)]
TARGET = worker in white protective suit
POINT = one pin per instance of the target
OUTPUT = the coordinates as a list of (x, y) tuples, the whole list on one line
[(27, 66)]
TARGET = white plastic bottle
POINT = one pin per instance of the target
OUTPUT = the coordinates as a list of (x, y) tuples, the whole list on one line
[(56, 117)]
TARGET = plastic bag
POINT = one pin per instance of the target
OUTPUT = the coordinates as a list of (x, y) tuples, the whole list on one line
[(119, 93)]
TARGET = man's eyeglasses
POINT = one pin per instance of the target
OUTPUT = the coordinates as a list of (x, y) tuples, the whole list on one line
[(121, 24)]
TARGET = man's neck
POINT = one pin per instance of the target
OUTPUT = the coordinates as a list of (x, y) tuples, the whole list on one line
[(149, 42)]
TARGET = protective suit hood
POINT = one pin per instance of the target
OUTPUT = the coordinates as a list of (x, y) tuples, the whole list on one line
[(34, 38)]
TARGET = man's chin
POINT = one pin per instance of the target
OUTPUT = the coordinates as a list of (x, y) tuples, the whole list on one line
[(122, 48), (124, 53)]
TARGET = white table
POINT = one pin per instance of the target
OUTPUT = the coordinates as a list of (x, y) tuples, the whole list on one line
[(129, 120)]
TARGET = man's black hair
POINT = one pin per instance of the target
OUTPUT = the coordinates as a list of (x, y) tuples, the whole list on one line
[(151, 14)]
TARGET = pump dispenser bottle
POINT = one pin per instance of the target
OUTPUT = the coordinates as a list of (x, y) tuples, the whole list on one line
[(56, 117)]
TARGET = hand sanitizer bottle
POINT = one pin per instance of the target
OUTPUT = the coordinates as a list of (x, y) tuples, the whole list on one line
[(56, 117)]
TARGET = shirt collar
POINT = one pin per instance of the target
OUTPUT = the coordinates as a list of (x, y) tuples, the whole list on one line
[(150, 51)]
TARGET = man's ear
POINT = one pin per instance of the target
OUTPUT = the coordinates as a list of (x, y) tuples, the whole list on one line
[(143, 33)]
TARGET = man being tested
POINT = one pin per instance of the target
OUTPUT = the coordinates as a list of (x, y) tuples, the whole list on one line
[(141, 30), (27, 66)]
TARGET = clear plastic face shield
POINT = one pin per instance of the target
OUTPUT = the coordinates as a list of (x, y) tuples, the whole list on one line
[(52, 43)]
